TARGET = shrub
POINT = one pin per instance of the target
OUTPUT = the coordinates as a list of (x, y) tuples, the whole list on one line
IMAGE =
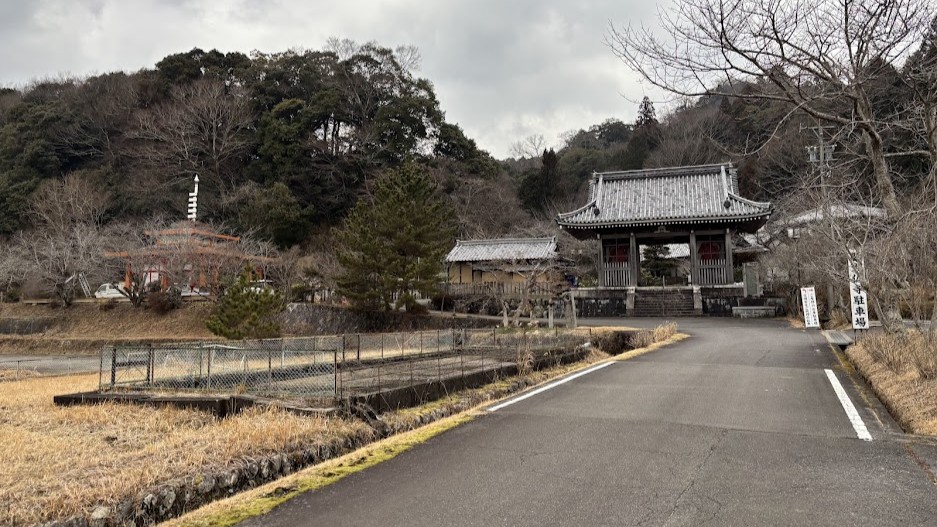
[(442, 302), (246, 312), (163, 302), (888, 350), (615, 342), (10, 296)]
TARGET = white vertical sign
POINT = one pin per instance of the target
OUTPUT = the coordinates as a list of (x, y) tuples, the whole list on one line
[(808, 297), (858, 299)]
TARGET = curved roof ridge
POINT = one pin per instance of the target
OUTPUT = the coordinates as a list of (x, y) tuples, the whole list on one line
[(663, 171), (543, 239), (577, 211), (762, 204)]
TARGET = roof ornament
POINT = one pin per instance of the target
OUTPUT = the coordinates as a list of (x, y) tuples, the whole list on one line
[(598, 197), (725, 188), (192, 211)]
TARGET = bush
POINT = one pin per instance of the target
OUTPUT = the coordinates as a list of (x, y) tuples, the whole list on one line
[(163, 302), (246, 312), (10, 296), (442, 302), (615, 342), (301, 292)]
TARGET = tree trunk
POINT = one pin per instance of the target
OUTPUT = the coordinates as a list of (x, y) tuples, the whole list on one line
[(886, 189)]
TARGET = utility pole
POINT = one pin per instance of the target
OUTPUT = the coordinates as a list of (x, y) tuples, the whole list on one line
[(821, 155)]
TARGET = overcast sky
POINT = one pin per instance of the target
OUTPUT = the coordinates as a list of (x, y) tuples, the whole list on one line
[(503, 70)]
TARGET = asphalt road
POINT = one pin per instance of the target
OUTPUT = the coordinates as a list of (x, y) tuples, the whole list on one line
[(51, 364), (737, 425)]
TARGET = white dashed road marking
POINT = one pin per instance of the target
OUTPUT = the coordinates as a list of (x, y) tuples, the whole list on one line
[(851, 411)]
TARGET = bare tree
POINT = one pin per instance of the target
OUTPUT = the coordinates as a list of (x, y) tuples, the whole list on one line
[(13, 267), (808, 54), (201, 131), (67, 245), (61, 258), (73, 199), (530, 147), (691, 142)]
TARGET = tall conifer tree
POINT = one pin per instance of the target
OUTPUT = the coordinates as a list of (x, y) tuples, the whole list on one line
[(392, 245)]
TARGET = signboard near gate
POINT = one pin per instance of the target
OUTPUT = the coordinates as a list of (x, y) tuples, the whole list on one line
[(808, 297), (858, 299)]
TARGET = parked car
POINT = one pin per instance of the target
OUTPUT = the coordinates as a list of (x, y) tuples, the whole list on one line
[(259, 286), (110, 291)]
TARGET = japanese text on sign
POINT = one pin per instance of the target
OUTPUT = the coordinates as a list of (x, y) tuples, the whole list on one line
[(858, 299), (808, 297)]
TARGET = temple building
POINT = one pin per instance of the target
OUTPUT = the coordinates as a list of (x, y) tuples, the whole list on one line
[(511, 267), (699, 206), (189, 256)]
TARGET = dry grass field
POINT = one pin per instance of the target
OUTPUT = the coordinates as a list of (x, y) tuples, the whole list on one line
[(902, 370), (61, 461)]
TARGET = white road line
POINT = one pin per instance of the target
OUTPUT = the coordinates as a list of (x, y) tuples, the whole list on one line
[(851, 412), (551, 385)]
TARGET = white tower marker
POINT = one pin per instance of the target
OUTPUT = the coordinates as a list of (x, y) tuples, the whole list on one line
[(193, 202)]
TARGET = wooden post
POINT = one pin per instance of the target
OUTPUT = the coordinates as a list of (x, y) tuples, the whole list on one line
[(635, 260), (730, 268), (600, 263), (694, 260), (572, 310)]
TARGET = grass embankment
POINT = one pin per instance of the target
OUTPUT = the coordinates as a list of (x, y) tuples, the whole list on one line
[(84, 328), (60, 462), (63, 461), (902, 369)]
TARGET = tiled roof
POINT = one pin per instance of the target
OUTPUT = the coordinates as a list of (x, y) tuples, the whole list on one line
[(698, 194), (837, 211), (503, 249)]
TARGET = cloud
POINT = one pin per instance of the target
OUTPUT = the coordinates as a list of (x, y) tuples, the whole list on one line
[(502, 70)]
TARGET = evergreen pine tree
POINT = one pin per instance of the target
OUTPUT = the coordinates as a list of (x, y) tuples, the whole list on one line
[(538, 188), (246, 312), (647, 116), (393, 244)]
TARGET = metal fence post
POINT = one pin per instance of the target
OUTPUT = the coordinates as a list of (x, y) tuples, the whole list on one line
[(270, 367), (211, 354), (335, 380), (113, 366), (149, 364)]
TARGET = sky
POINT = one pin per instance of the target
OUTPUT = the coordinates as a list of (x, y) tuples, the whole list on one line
[(503, 70)]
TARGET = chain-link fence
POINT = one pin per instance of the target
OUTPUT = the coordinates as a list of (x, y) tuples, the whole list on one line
[(27, 366), (374, 363), (273, 368), (334, 366)]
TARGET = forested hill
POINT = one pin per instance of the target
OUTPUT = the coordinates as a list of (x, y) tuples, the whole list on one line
[(286, 143), (283, 143)]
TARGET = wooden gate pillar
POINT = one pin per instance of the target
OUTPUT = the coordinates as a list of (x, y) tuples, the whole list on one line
[(730, 268)]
